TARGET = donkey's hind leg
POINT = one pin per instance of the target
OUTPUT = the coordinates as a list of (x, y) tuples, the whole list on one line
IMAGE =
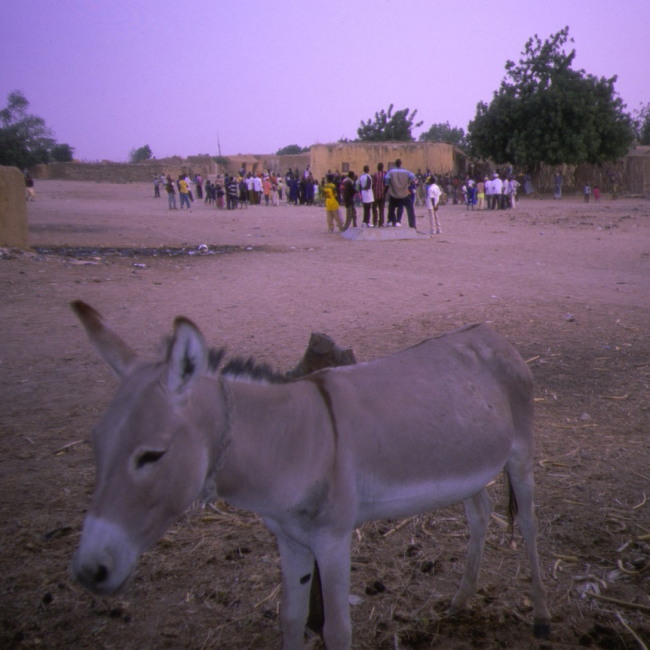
[(522, 484), (478, 509)]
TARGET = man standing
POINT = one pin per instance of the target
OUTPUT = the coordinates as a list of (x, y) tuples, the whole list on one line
[(497, 192), (489, 193), (257, 187), (184, 192), (511, 187), (232, 192), (198, 183), (367, 197), (348, 190), (379, 194), (250, 186), (171, 193), (397, 181), (189, 189)]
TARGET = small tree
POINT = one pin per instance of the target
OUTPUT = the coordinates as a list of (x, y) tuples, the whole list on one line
[(388, 127), (291, 149), (25, 140), (444, 133), (642, 124), (546, 112), (138, 155), (222, 161), (61, 153)]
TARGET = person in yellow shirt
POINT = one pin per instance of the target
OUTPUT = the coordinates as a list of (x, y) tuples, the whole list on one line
[(332, 205), (184, 193)]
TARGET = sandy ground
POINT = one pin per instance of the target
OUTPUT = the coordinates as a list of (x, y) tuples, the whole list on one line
[(567, 283)]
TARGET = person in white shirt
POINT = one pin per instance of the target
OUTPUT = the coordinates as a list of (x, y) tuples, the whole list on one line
[(497, 191), (364, 185), (489, 192), (250, 186), (257, 188), (511, 187), (433, 200)]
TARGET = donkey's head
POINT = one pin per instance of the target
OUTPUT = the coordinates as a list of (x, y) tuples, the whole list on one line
[(151, 453)]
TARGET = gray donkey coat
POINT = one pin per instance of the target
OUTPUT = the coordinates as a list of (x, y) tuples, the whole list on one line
[(315, 457)]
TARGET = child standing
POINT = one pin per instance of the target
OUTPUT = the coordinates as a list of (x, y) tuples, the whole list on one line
[(480, 195), (332, 205), (433, 199)]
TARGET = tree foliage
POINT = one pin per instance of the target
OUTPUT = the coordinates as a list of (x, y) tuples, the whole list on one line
[(140, 154), (61, 153), (444, 133), (546, 112), (642, 124), (388, 126), (25, 140), (222, 161), (291, 149)]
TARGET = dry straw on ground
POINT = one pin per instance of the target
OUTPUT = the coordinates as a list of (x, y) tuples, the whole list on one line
[(565, 282)]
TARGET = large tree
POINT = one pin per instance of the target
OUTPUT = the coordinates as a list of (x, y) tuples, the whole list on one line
[(547, 112), (444, 133), (388, 126), (25, 140)]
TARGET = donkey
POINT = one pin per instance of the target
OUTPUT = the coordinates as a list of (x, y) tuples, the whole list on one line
[(315, 457)]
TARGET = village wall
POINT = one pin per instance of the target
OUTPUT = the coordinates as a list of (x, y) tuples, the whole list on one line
[(637, 171), (260, 163), (111, 172), (630, 175), (13, 209), (438, 157)]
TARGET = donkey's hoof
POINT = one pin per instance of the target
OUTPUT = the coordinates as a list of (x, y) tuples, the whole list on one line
[(542, 629), (456, 611)]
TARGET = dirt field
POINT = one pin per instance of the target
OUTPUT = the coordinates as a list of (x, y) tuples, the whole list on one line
[(567, 283)]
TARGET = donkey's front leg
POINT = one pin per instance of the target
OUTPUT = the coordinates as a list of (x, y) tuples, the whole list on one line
[(297, 569), (333, 557)]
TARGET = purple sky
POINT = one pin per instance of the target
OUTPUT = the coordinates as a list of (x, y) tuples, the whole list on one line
[(108, 76)]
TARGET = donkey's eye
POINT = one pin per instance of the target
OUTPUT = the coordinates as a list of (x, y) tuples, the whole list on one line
[(148, 457)]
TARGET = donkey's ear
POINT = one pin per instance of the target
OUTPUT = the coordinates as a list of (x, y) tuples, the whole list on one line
[(117, 354), (187, 356)]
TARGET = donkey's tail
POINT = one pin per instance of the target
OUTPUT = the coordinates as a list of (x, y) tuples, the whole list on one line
[(513, 507)]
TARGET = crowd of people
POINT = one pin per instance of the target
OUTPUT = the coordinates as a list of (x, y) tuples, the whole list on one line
[(490, 193), (382, 196), (385, 195)]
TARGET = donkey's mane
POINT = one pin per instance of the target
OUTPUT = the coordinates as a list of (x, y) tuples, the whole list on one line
[(247, 369), (240, 368), (215, 356)]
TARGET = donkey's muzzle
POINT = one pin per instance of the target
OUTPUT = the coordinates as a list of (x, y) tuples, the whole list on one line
[(95, 578), (105, 558)]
